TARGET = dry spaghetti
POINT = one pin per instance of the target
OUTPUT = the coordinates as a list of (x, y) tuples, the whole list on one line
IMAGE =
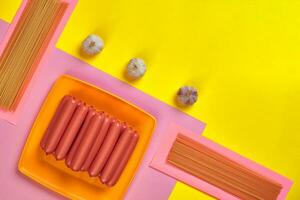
[(220, 171), (26, 47)]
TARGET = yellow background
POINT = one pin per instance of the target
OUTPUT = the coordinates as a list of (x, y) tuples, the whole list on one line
[(243, 55)]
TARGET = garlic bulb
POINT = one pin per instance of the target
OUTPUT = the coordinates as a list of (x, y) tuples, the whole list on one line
[(92, 45), (187, 95), (136, 68)]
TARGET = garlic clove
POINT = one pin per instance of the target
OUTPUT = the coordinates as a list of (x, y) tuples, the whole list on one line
[(136, 68), (92, 45), (187, 95)]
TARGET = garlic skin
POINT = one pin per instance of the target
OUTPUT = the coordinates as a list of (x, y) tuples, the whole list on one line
[(136, 68), (92, 45), (187, 95)]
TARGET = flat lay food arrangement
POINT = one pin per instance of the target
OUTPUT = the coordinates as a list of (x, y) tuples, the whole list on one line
[(109, 104)]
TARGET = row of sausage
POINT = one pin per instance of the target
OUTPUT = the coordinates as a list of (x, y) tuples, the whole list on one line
[(89, 140)]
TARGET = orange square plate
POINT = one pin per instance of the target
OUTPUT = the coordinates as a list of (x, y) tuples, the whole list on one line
[(54, 174)]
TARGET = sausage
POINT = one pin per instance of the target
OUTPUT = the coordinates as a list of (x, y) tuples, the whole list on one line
[(53, 120), (71, 153), (71, 132), (90, 114), (106, 148), (122, 163), (56, 131), (86, 142), (98, 142), (116, 155)]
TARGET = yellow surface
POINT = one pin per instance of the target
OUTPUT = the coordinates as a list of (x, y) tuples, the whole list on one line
[(55, 174), (242, 55)]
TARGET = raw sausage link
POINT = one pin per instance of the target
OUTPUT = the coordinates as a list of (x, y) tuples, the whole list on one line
[(86, 142), (56, 131), (123, 162), (106, 149), (91, 113), (116, 155), (71, 132), (53, 121), (98, 142)]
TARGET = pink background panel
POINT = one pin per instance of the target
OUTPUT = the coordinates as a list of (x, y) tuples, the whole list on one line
[(148, 183)]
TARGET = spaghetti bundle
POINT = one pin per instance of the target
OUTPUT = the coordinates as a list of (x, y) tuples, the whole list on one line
[(25, 48), (220, 171)]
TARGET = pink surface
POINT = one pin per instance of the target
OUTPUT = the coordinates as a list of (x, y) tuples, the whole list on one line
[(148, 183), (159, 163), (6, 34)]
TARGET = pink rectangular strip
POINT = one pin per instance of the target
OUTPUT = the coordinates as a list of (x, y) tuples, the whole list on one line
[(159, 163), (11, 117)]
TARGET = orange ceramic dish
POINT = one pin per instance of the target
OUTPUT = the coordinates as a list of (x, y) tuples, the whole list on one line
[(54, 174)]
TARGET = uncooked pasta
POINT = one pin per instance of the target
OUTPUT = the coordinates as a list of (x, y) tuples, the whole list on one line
[(26, 47), (220, 171)]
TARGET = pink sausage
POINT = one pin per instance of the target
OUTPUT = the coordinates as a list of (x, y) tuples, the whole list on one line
[(90, 114), (71, 132), (106, 149), (123, 162), (86, 142), (53, 121), (56, 131), (117, 154), (98, 142)]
